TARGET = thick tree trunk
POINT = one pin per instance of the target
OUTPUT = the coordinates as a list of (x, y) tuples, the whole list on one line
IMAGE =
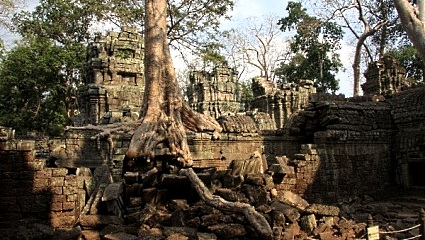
[(164, 115), (413, 23)]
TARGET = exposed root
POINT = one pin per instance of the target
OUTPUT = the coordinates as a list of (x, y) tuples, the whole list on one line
[(257, 221), (106, 131), (166, 130), (199, 122)]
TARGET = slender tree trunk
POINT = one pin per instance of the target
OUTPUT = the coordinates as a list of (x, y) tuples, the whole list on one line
[(356, 65), (164, 115)]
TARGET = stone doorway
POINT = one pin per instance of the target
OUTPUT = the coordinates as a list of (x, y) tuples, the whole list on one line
[(416, 174)]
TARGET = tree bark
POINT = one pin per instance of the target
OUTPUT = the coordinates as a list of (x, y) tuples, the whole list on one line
[(413, 23), (164, 114)]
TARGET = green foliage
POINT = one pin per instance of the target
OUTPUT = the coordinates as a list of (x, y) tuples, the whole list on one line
[(63, 21), (409, 58), (192, 23), (246, 94), (314, 48), (33, 95)]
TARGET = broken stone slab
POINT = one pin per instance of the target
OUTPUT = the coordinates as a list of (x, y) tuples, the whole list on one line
[(120, 236), (293, 200), (96, 221), (308, 223), (228, 230), (112, 192), (323, 210), (185, 231), (73, 233), (206, 236), (289, 212)]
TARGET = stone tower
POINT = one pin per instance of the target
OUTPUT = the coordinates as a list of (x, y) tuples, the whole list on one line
[(385, 77), (113, 85), (216, 93)]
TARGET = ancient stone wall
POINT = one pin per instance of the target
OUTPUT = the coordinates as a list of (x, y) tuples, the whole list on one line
[(29, 188), (408, 112), (385, 77), (351, 154)]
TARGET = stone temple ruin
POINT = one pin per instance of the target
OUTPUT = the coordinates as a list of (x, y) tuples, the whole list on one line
[(302, 160), (114, 83)]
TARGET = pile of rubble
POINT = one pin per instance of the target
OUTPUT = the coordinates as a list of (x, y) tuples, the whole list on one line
[(244, 202)]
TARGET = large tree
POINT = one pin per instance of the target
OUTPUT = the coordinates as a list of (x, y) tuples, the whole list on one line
[(365, 19), (164, 115), (412, 18), (314, 49)]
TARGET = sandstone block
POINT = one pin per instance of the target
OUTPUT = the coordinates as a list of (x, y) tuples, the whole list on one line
[(293, 200)]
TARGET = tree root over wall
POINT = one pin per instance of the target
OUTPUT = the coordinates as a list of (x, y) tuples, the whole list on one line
[(258, 221)]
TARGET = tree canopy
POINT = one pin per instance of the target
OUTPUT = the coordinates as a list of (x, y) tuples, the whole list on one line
[(34, 88), (314, 48)]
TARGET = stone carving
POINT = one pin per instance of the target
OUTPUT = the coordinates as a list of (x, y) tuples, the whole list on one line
[(385, 77), (216, 93), (281, 101), (114, 83)]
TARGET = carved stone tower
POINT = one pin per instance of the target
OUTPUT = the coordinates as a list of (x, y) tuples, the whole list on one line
[(216, 93), (114, 82), (384, 77)]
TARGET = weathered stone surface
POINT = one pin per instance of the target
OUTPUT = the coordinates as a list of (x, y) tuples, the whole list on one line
[(324, 210), (95, 221), (291, 213), (293, 200), (228, 230), (119, 236), (112, 192), (308, 223)]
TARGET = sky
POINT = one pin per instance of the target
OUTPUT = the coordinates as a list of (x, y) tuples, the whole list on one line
[(255, 8)]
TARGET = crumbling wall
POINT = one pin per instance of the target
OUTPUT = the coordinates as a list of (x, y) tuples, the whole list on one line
[(351, 154), (408, 112), (29, 188)]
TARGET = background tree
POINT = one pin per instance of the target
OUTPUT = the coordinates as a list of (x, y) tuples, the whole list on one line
[(314, 48), (191, 23), (257, 44), (370, 22), (32, 93), (65, 22), (7, 9), (409, 58)]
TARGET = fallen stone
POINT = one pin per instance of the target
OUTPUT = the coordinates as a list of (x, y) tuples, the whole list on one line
[(120, 236), (44, 229), (324, 210), (293, 200), (90, 234), (291, 213), (228, 230), (308, 223), (112, 192), (73, 233), (206, 236), (151, 234), (96, 221), (185, 231)]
